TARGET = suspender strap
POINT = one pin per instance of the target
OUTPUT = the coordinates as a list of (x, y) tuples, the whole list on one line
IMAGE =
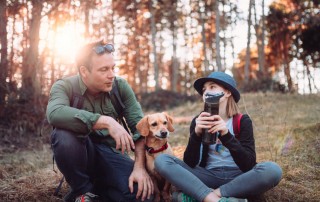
[(57, 190)]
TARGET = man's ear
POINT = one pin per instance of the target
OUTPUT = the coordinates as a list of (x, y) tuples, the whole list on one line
[(170, 122), (83, 71), (143, 126)]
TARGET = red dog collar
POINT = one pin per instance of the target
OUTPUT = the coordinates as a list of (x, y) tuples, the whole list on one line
[(151, 150)]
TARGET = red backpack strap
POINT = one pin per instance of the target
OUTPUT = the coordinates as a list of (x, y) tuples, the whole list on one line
[(236, 124)]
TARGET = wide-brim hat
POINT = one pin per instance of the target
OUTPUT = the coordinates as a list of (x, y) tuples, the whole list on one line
[(220, 78)]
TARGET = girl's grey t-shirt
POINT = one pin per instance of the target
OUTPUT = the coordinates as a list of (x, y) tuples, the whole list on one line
[(219, 155)]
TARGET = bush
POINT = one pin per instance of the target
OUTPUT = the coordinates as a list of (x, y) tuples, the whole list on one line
[(263, 85), (162, 100)]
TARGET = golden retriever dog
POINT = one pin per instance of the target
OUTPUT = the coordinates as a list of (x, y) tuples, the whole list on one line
[(155, 128)]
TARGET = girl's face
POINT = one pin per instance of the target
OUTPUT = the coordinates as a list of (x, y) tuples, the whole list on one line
[(213, 87)]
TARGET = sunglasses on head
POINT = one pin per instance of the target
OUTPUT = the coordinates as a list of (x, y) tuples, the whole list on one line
[(102, 49)]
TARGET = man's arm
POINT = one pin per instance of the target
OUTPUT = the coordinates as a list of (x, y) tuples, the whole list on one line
[(133, 114), (117, 132), (139, 173), (61, 115)]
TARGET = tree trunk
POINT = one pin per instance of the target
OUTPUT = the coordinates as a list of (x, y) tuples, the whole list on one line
[(309, 76), (262, 54), (174, 66), (4, 53), (260, 39), (30, 63), (287, 71), (11, 70), (138, 73), (218, 59), (153, 39), (224, 39), (86, 18), (246, 68), (204, 40)]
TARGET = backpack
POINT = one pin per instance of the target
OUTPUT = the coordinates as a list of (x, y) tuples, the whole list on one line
[(236, 125)]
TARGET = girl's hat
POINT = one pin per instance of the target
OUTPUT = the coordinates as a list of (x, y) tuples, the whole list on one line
[(222, 79)]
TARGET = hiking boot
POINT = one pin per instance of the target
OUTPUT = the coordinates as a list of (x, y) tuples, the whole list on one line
[(232, 199), (87, 197), (182, 197)]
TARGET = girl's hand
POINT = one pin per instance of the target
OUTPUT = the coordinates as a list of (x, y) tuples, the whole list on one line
[(219, 125), (204, 121)]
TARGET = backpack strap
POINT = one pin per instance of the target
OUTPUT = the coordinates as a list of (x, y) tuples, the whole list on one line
[(116, 100), (118, 104), (76, 99), (236, 124)]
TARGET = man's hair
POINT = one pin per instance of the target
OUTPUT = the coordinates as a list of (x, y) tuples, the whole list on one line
[(232, 107), (84, 55)]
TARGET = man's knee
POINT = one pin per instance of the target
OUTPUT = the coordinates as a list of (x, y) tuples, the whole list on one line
[(66, 141)]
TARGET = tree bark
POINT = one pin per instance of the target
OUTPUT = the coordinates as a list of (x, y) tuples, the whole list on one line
[(260, 38), (218, 59), (86, 18), (204, 40), (30, 63), (263, 29), (174, 66), (246, 67), (154, 47), (4, 53)]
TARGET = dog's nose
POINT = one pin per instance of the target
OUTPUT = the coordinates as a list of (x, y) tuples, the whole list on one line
[(163, 133)]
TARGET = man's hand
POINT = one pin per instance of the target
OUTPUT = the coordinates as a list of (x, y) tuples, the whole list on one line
[(145, 184), (117, 132)]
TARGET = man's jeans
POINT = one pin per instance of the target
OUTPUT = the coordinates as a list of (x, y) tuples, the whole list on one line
[(91, 167), (198, 182)]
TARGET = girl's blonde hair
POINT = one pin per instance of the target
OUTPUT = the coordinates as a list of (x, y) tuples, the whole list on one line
[(232, 107)]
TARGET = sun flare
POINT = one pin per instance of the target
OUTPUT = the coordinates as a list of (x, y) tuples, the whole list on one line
[(67, 41)]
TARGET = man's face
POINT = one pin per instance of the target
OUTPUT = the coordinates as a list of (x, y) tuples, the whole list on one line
[(100, 77)]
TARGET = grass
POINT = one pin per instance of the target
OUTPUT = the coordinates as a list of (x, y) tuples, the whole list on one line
[(286, 131)]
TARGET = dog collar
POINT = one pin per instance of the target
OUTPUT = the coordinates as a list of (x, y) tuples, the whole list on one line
[(151, 150)]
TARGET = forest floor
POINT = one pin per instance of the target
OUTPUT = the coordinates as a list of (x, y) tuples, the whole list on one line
[(286, 127)]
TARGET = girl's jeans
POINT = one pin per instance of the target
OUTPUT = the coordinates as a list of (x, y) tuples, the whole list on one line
[(198, 182), (91, 167)]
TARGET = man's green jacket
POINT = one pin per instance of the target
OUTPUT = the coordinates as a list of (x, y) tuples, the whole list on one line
[(61, 115)]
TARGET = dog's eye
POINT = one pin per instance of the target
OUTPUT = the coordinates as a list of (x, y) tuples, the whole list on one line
[(165, 123), (154, 124)]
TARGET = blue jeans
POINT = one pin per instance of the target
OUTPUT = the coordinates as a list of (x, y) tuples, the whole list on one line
[(198, 182), (92, 167)]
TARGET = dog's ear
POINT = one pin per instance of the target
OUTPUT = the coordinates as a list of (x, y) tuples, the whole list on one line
[(170, 122), (143, 126)]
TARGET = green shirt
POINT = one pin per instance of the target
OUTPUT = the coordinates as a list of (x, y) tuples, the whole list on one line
[(61, 115)]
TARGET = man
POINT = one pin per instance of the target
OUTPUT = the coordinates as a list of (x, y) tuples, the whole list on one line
[(90, 147)]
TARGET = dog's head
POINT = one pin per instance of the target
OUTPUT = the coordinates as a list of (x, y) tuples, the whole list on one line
[(159, 125)]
